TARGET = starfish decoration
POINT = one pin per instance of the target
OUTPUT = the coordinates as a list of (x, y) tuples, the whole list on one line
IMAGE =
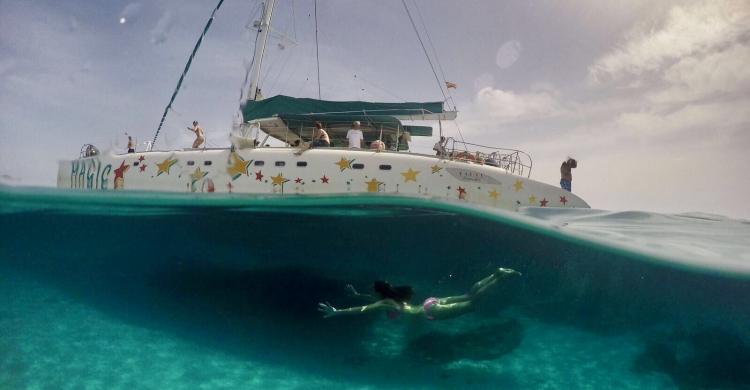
[(518, 186), (410, 175), (324, 179), (494, 194), (563, 200), (259, 176), (229, 186), (165, 165), (142, 167), (532, 199), (373, 185), (279, 179), (436, 168), (121, 170), (197, 175), (238, 167), (344, 163), (298, 180), (461, 192), (141, 158), (543, 202)]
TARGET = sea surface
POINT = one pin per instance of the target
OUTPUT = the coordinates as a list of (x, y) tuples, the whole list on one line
[(178, 291)]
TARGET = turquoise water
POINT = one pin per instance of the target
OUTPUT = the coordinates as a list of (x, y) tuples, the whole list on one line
[(139, 290)]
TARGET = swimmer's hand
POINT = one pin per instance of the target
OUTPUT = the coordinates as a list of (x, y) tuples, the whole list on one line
[(351, 290), (327, 309), (508, 272)]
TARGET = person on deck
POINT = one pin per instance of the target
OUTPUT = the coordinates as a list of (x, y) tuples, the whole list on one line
[(395, 300), (199, 137), (355, 136), (566, 176), (320, 137), (440, 147), (131, 145)]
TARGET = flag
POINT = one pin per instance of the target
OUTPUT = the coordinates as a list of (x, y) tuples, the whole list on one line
[(450, 85)]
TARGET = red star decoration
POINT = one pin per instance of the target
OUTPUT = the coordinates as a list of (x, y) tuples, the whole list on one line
[(259, 176), (121, 170), (563, 200), (298, 180), (143, 167), (324, 179), (461, 193), (543, 202), (229, 185), (141, 158)]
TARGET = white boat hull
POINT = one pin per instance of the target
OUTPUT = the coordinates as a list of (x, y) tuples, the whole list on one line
[(316, 171)]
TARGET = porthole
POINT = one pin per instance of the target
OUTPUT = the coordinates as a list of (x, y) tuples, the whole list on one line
[(259, 163), (301, 163), (385, 167), (207, 162), (358, 166), (191, 163), (280, 163)]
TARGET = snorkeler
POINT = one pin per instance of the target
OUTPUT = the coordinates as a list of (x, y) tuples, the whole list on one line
[(394, 300)]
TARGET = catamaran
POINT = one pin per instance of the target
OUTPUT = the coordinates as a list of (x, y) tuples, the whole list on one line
[(458, 171)]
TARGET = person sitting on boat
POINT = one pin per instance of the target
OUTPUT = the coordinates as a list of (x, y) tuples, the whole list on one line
[(440, 147), (199, 137), (377, 145), (355, 136), (566, 176), (320, 137), (395, 300), (403, 140)]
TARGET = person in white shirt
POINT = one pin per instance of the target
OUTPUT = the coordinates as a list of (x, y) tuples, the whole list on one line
[(355, 136)]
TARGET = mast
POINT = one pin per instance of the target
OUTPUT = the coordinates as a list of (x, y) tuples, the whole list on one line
[(264, 27)]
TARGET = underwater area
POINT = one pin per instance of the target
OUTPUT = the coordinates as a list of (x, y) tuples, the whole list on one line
[(180, 291)]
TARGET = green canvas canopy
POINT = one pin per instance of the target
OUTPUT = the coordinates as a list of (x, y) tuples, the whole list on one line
[(285, 105)]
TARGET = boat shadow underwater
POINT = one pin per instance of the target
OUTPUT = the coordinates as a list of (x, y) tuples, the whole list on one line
[(252, 288)]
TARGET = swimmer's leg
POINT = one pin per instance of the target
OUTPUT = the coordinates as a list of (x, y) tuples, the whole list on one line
[(481, 286)]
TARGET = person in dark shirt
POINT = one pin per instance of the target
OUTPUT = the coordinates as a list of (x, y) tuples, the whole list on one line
[(566, 176)]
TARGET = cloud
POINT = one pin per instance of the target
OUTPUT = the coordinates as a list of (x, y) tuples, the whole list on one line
[(162, 28), (508, 54), (507, 106), (695, 30)]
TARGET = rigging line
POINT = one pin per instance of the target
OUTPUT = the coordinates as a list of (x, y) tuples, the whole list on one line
[(416, 31), (184, 72), (317, 53), (434, 51)]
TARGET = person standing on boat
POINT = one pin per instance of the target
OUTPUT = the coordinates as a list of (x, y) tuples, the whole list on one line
[(320, 137), (355, 136), (131, 145), (566, 176), (395, 300), (199, 137)]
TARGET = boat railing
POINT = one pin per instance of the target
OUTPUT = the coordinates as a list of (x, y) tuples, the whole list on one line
[(514, 161)]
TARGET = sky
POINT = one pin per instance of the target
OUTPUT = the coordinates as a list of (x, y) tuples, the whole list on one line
[(651, 98)]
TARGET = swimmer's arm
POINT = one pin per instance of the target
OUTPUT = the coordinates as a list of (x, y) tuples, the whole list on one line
[(329, 311)]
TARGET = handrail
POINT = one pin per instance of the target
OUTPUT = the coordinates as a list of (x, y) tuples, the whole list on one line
[(514, 161)]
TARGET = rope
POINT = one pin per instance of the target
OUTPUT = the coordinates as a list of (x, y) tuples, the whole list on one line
[(317, 54), (184, 72), (434, 53), (416, 31)]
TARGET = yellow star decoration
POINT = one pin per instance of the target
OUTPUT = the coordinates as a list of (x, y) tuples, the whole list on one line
[(279, 179), (494, 194), (344, 164), (238, 167), (373, 185), (435, 168), (410, 175), (198, 174), (165, 165), (532, 199), (518, 186)]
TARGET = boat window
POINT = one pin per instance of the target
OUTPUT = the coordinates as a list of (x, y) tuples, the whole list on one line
[(135, 163), (259, 163), (301, 163), (358, 166), (280, 163), (207, 162), (191, 163), (385, 167)]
